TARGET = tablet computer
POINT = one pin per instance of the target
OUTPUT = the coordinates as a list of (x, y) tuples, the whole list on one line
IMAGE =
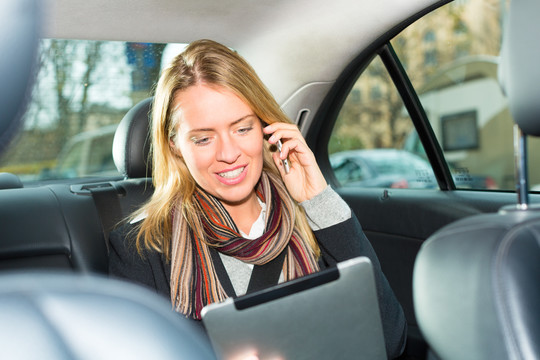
[(332, 314)]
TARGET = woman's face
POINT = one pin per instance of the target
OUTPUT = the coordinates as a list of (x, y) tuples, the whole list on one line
[(221, 141)]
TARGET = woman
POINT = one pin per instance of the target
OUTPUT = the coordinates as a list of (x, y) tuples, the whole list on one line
[(226, 217)]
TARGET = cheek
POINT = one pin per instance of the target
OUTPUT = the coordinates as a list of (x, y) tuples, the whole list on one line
[(195, 159), (198, 159), (254, 147)]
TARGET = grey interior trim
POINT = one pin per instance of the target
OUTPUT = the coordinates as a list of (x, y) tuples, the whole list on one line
[(307, 98)]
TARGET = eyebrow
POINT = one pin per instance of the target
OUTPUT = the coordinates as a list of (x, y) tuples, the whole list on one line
[(232, 124)]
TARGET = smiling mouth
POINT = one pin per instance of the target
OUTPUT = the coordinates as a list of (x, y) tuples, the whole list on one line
[(232, 174)]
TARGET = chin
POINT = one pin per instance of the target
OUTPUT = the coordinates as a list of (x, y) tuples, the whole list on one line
[(235, 198)]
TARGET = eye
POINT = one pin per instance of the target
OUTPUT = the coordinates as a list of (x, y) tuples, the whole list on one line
[(245, 130), (200, 141)]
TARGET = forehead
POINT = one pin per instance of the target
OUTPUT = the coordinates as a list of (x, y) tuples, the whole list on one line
[(202, 106)]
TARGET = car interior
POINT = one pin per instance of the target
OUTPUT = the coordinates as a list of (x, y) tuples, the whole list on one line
[(463, 262), (476, 280)]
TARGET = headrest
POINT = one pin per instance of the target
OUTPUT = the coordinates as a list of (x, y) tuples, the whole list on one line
[(131, 144), (476, 290), (73, 316), (519, 71), (19, 26), (10, 181)]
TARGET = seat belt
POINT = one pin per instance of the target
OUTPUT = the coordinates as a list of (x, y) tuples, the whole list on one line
[(106, 199), (264, 276)]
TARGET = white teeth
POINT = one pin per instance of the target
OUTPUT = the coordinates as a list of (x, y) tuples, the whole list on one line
[(231, 174)]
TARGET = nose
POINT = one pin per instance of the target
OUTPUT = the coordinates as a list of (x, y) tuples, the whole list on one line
[(228, 150)]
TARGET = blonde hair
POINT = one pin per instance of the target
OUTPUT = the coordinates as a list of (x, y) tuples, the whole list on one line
[(212, 63)]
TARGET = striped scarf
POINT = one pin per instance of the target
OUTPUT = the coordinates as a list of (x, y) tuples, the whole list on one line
[(194, 282)]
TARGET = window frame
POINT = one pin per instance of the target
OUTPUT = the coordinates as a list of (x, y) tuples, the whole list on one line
[(318, 137), (319, 133)]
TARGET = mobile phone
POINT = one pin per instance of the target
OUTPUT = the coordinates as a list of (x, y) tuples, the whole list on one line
[(285, 162)]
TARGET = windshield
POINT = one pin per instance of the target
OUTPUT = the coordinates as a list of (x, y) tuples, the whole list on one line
[(82, 91)]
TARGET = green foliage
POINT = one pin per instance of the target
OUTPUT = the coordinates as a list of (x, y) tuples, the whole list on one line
[(342, 143), (31, 168)]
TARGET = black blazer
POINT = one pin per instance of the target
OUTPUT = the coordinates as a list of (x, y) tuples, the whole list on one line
[(338, 243)]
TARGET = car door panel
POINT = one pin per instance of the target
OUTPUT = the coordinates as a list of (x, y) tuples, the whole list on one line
[(398, 221)]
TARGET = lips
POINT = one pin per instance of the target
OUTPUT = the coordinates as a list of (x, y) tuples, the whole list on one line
[(233, 176), (232, 173)]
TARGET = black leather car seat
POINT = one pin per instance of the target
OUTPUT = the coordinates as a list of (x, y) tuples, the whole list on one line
[(476, 282), (71, 316)]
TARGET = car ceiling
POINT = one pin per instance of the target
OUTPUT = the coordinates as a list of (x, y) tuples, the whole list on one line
[(290, 43)]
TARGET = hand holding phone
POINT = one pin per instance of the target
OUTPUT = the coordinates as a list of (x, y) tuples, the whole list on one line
[(305, 180)]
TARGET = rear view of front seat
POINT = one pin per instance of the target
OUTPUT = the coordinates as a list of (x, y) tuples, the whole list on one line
[(476, 282), (72, 316)]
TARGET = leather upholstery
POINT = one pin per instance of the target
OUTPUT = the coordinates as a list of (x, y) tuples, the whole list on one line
[(68, 316), (50, 228), (519, 71), (477, 287), (20, 20), (10, 181), (131, 144)]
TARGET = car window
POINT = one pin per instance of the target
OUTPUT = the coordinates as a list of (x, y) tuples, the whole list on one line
[(82, 90), (452, 57), (369, 142)]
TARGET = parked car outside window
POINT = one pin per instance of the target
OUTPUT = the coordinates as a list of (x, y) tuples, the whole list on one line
[(382, 168)]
